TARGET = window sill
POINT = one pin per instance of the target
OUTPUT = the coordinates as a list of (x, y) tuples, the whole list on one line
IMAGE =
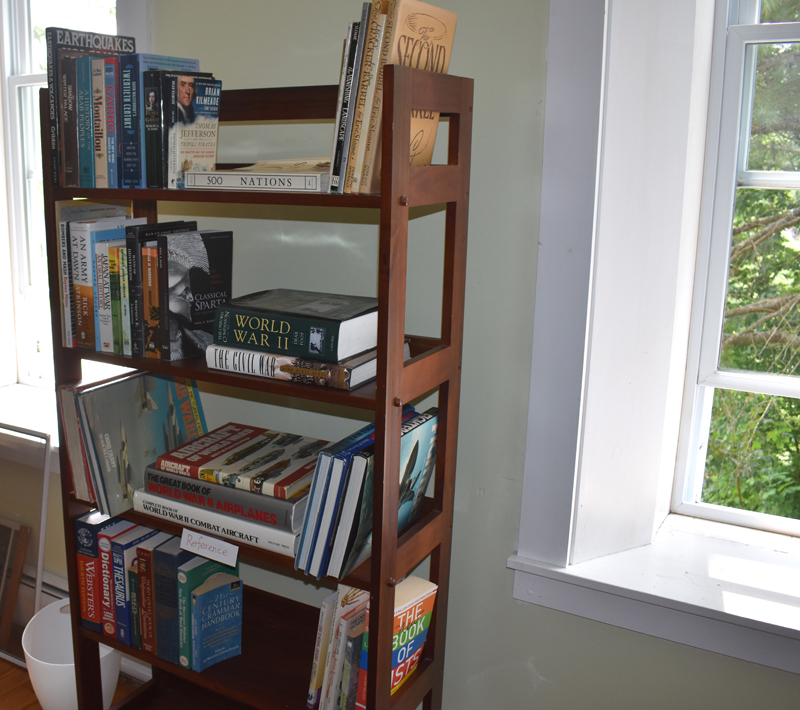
[(708, 585), (31, 408)]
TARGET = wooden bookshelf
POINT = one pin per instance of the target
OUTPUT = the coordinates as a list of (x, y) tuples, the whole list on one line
[(279, 634)]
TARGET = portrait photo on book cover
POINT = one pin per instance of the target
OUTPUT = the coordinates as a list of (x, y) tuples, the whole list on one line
[(186, 100)]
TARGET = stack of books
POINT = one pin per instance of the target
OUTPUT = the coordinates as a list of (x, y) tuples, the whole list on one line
[(138, 289), (241, 482), (323, 339), (138, 586), (122, 119), (339, 670)]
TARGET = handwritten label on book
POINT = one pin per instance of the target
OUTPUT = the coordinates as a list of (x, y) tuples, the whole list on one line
[(209, 547)]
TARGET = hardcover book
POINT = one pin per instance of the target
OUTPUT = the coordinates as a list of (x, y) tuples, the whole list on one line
[(216, 620), (315, 326), (126, 422), (195, 276), (68, 117), (85, 127), (87, 528), (347, 375), (71, 43), (285, 514), (311, 175), (281, 542), (167, 557), (265, 461), (99, 122), (111, 77), (133, 588), (351, 621), (191, 575)]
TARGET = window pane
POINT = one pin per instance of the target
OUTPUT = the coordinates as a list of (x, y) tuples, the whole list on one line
[(753, 460), (775, 117), (780, 10), (761, 331), (90, 15), (36, 250)]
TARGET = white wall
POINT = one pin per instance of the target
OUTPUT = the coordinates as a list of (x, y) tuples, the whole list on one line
[(501, 653)]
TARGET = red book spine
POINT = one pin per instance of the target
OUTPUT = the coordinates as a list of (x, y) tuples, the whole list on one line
[(147, 617), (89, 587)]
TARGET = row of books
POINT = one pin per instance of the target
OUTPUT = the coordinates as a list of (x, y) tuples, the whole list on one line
[(138, 586), (405, 32), (339, 670), (119, 118), (136, 288)]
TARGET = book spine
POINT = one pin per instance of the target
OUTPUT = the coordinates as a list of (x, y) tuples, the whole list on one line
[(281, 542), (277, 367), (82, 287), (257, 182), (151, 300), (111, 109), (116, 306), (135, 294), (85, 122), (133, 588), (52, 104), (88, 575), (170, 146), (122, 622), (129, 120), (70, 163), (125, 301), (345, 125), (281, 514), (107, 611), (104, 331), (165, 602), (146, 610), (274, 333), (99, 122), (163, 293), (153, 127), (65, 267)]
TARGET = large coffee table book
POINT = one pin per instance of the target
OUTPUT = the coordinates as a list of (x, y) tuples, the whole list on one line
[(279, 634)]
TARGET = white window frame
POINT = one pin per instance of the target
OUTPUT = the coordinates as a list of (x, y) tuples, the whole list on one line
[(631, 82)]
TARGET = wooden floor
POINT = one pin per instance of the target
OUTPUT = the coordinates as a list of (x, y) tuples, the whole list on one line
[(16, 692)]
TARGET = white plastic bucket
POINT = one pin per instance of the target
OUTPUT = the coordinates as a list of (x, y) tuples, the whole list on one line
[(47, 643)]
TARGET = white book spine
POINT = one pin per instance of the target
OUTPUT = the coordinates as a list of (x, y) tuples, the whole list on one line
[(210, 522)]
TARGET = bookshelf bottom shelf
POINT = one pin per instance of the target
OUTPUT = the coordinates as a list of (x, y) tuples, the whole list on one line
[(273, 670)]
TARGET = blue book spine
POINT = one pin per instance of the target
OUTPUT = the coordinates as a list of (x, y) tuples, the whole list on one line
[(130, 158), (166, 560), (85, 125), (112, 67)]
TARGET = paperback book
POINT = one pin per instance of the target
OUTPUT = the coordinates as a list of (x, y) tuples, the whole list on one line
[(315, 326), (216, 620)]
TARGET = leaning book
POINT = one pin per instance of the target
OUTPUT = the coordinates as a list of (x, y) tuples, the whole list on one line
[(216, 620), (315, 326), (266, 175)]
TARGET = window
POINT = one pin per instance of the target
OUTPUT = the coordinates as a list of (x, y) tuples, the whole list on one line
[(24, 73), (634, 86), (745, 413)]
